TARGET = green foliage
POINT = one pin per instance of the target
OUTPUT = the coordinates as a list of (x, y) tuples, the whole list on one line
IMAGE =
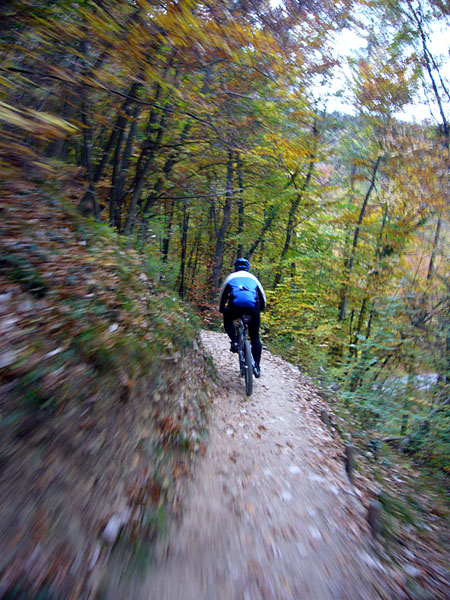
[(19, 269), (22, 593), (204, 142), (394, 510), (431, 445), (189, 134)]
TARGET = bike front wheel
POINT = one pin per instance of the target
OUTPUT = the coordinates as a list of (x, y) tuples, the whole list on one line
[(248, 368)]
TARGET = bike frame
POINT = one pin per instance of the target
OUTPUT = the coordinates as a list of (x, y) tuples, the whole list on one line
[(242, 335)]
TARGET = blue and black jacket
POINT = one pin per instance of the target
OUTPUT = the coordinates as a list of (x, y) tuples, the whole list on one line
[(241, 289)]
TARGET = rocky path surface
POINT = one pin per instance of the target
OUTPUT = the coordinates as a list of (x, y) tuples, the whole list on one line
[(270, 512)]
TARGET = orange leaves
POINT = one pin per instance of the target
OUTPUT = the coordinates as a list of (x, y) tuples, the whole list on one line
[(384, 81)]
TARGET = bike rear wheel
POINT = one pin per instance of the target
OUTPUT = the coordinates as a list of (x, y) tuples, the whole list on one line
[(248, 368)]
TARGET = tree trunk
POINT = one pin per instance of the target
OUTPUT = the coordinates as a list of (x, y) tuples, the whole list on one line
[(406, 403), (184, 232), (269, 218), (361, 316), (166, 240), (296, 203), (87, 140), (220, 242), (434, 250), (350, 326), (148, 136), (431, 65), (369, 324), (167, 169), (58, 148), (349, 266), (124, 167), (193, 259), (142, 177), (119, 124), (115, 175), (240, 203)]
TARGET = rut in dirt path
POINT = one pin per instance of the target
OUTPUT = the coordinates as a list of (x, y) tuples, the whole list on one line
[(270, 512)]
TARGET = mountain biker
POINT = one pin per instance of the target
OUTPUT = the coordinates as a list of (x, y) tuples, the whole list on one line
[(242, 293)]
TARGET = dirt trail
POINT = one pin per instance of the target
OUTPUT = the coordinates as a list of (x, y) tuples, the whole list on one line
[(270, 512)]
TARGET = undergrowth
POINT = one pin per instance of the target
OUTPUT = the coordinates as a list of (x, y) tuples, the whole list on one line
[(102, 374)]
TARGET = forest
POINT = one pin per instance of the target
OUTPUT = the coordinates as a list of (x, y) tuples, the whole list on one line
[(202, 132), (199, 132)]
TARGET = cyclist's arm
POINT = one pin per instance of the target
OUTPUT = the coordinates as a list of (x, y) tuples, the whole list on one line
[(262, 296), (223, 297)]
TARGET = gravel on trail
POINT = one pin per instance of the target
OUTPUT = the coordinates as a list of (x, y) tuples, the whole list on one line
[(270, 512)]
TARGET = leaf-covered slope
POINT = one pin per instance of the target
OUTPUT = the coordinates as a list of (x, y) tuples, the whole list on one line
[(103, 396)]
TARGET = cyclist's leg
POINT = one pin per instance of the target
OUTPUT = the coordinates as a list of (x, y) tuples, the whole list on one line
[(253, 330), (228, 322)]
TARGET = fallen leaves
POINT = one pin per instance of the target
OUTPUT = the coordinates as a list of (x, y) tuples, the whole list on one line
[(82, 332)]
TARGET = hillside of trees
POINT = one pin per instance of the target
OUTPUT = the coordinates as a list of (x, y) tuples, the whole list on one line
[(191, 133), (197, 131)]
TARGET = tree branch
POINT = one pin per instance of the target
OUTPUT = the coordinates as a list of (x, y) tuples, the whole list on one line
[(104, 88)]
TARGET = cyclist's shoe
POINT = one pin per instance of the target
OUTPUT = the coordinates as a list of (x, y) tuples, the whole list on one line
[(234, 347), (257, 372)]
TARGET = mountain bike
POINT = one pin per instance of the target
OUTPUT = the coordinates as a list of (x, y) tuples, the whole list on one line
[(246, 362)]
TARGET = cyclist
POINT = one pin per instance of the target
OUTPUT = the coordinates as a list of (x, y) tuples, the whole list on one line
[(242, 293)]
